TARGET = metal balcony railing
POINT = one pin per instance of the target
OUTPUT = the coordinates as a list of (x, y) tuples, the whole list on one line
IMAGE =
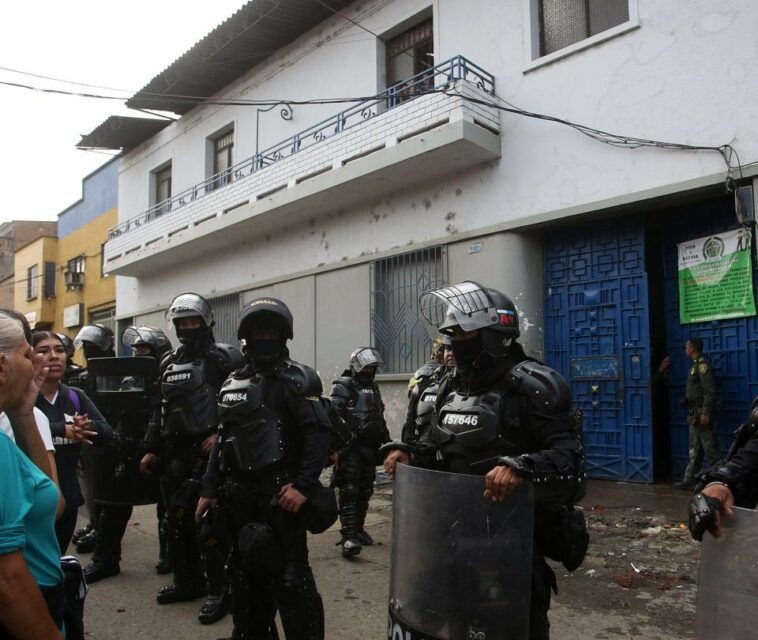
[(436, 78)]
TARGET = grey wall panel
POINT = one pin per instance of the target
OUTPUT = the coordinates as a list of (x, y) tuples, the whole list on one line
[(342, 318), (513, 264)]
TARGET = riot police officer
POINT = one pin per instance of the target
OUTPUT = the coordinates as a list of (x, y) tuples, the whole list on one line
[(150, 342), (508, 418), (357, 402), (273, 444), (422, 390), (733, 482), (96, 341), (191, 377)]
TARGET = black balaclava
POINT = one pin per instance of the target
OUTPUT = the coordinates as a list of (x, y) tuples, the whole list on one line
[(366, 377), (467, 352), (195, 341)]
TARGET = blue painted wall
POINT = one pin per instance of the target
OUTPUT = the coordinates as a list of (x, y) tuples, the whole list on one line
[(99, 195)]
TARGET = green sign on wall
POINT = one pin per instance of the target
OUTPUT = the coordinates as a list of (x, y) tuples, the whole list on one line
[(716, 277)]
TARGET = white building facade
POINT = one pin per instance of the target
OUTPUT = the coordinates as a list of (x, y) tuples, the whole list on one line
[(347, 211)]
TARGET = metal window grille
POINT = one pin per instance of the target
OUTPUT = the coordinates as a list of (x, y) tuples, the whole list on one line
[(410, 53), (226, 311), (397, 326), (564, 22), (223, 147)]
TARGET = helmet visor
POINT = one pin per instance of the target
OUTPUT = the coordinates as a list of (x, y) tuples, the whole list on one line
[(190, 304), (95, 335), (466, 305), (364, 358)]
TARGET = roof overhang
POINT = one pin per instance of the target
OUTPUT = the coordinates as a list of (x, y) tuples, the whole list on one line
[(122, 132), (250, 36)]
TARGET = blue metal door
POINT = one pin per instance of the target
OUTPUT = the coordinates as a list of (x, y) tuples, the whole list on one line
[(597, 336), (732, 345)]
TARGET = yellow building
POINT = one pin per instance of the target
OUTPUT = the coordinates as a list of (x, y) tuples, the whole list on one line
[(59, 281), (35, 274), (83, 294)]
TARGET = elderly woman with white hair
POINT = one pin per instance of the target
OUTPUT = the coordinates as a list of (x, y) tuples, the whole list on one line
[(32, 598)]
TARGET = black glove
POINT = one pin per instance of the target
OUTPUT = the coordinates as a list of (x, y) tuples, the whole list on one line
[(703, 510)]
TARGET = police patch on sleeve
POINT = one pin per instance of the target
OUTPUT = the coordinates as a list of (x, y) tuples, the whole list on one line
[(703, 368)]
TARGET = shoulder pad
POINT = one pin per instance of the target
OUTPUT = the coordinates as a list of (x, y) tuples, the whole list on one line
[(342, 387), (228, 356), (302, 377), (427, 371), (547, 389), (168, 359)]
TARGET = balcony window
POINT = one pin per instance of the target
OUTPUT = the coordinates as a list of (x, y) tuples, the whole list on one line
[(161, 179), (223, 147), (32, 282), (408, 54), (563, 23), (398, 329)]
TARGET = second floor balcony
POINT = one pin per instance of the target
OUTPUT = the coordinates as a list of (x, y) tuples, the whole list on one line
[(424, 128)]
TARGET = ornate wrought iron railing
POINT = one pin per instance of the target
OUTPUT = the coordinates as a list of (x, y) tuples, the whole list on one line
[(434, 79)]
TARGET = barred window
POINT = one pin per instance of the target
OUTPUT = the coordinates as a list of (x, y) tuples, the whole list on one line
[(397, 327), (565, 22), (223, 148)]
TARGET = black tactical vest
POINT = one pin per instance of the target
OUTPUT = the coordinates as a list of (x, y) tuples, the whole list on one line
[(252, 436), (189, 402), (426, 406), (365, 411), (472, 431)]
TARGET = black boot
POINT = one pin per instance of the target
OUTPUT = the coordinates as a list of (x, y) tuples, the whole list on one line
[(80, 533), (88, 542), (96, 571), (214, 608), (172, 593)]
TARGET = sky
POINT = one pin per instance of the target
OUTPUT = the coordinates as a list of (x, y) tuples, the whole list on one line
[(110, 43)]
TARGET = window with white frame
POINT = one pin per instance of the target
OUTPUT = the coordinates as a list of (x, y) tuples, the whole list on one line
[(32, 281), (397, 327), (73, 276), (563, 23), (161, 190)]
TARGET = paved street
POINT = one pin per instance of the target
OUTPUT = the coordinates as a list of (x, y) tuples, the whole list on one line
[(589, 606)]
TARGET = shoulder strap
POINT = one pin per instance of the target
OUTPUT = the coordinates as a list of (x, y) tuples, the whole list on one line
[(75, 400)]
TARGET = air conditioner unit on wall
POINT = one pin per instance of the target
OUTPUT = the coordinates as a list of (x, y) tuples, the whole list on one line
[(73, 279)]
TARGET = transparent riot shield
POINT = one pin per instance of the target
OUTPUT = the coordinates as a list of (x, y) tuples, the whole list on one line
[(727, 590), (126, 393), (461, 564)]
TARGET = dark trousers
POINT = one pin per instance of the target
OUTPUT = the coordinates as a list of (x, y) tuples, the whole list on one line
[(355, 480), (65, 525), (194, 564), (111, 527), (258, 589)]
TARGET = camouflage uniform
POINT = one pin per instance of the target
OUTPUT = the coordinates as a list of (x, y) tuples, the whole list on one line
[(701, 399)]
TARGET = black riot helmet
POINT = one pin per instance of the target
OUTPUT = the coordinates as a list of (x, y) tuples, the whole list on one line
[(191, 305), (364, 363), (96, 340), (68, 345), (150, 337), (472, 307), (264, 314)]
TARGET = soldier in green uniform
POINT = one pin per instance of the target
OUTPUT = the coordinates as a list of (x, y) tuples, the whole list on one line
[(701, 400)]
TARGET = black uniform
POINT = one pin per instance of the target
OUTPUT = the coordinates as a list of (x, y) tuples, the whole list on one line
[(500, 408), (359, 406), (740, 470), (190, 380), (422, 397), (274, 431)]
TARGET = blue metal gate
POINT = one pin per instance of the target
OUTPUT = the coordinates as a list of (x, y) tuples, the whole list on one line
[(732, 345), (597, 335)]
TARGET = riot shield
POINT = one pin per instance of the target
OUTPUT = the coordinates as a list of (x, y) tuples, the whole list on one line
[(727, 590), (125, 391), (461, 564)]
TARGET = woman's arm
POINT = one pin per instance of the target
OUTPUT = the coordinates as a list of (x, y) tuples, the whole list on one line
[(23, 611), (24, 424)]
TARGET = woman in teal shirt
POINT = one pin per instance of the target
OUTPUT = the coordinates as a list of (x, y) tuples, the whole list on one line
[(31, 580)]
